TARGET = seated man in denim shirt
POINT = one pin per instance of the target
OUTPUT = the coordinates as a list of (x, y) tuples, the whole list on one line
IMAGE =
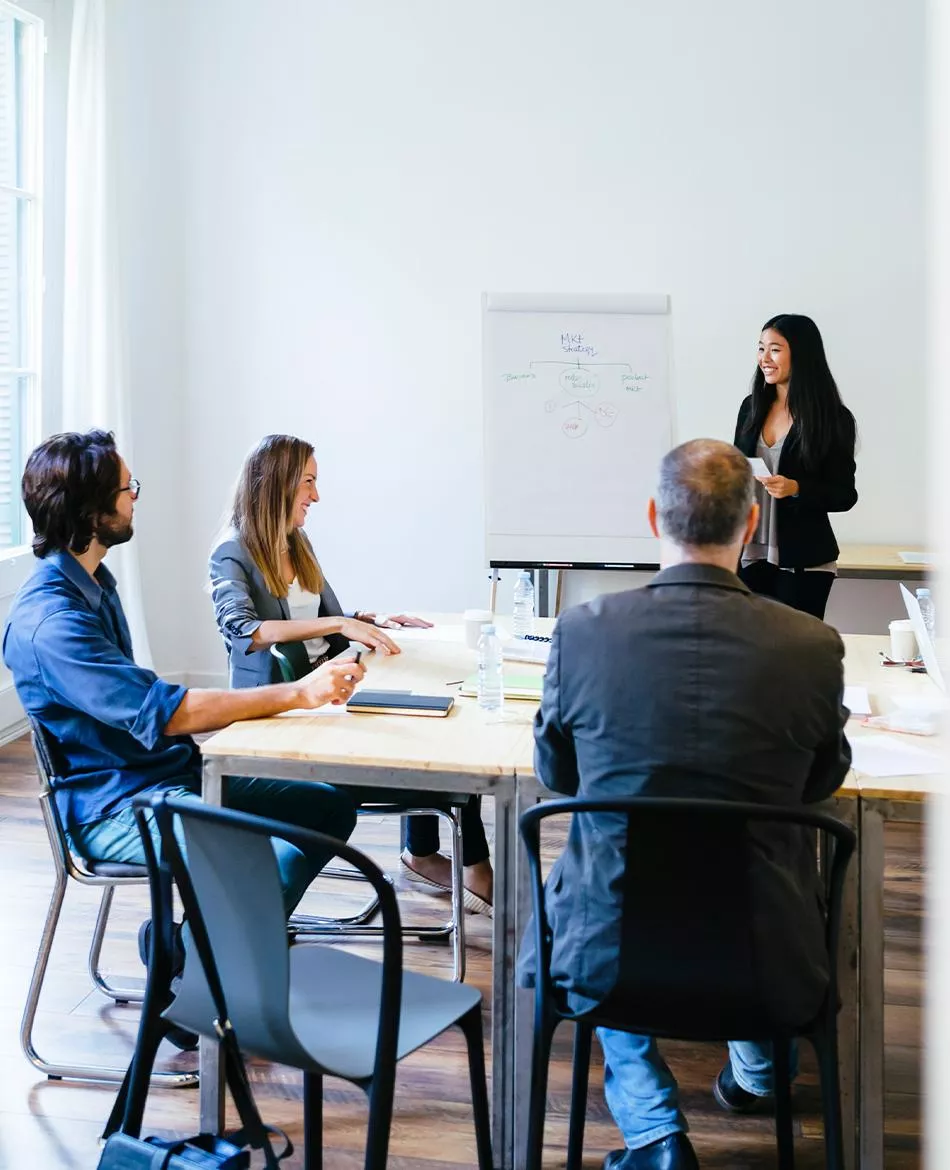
[(121, 730)]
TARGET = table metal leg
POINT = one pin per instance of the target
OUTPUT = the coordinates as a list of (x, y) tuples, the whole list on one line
[(871, 967), (210, 1065), (503, 977)]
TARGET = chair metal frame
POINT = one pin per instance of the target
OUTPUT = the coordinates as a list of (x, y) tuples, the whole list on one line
[(292, 661), (106, 877), (837, 841)]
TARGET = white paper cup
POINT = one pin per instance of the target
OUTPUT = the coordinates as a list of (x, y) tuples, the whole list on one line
[(474, 620), (903, 642)]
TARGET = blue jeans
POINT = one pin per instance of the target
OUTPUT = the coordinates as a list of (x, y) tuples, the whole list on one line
[(301, 803), (642, 1093)]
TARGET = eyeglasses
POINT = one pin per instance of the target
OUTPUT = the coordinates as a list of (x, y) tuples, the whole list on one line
[(133, 487)]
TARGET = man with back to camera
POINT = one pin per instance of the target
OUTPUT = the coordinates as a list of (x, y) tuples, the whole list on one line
[(624, 682), (120, 729)]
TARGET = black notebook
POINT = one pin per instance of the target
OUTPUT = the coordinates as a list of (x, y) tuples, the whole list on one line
[(399, 703)]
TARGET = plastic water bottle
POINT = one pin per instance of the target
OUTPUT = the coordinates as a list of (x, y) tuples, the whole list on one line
[(522, 616), (491, 682), (926, 603)]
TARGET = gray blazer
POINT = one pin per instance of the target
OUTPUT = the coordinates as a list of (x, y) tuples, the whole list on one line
[(242, 602), (692, 686)]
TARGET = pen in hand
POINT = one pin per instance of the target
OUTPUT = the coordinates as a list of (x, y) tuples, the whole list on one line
[(359, 655)]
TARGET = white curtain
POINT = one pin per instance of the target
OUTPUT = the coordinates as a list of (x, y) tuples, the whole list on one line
[(95, 386)]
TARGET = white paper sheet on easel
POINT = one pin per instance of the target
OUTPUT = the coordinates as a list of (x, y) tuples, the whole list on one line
[(857, 701), (882, 755), (915, 558)]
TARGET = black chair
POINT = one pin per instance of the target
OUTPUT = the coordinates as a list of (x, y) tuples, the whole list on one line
[(317, 1008), (686, 962), (294, 663), (107, 876)]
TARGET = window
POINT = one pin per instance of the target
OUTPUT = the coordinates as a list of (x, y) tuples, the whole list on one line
[(22, 49)]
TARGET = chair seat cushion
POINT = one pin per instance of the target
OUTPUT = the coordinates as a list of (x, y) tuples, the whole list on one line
[(116, 869)]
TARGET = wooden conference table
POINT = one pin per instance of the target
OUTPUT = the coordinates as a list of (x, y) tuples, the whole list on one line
[(469, 752), (879, 562)]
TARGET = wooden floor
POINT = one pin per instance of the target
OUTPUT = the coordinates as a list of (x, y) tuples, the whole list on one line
[(46, 1124)]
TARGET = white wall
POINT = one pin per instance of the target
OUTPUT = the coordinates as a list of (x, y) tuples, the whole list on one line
[(351, 177), (143, 44)]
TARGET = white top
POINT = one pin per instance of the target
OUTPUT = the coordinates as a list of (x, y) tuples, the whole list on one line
[(305, 605), (764, 543)]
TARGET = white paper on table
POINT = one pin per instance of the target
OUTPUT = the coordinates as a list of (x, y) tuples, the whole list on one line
[(857, 701), (915, 558), (759, 467), (328, 709), (882, 755), (437, 633)]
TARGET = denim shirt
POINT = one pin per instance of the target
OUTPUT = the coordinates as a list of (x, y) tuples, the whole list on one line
[(68, 647)]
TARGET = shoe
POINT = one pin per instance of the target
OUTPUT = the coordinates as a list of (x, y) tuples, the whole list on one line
[(674, 1152), (470, 900), (413, 875), (181, 1038), (477, 905), (731, 1096)]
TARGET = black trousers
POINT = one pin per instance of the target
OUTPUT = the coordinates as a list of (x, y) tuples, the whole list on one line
[(421, 834), (807, 591)]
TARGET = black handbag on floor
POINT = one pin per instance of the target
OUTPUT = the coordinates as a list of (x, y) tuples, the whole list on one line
[(124, 1149), (204, 1152)]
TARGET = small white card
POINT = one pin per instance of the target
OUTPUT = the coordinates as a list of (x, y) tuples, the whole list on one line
[(915, 558), (759, 468), (857, 700)]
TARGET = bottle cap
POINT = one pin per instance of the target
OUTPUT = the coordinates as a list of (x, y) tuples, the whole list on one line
[(923, 592), (488, 628)]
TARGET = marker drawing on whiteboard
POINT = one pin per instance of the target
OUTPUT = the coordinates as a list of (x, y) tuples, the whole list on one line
[(581, 382)]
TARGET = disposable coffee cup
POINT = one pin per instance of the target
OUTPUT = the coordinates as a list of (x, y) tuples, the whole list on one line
[(903, 641), (474, 620)]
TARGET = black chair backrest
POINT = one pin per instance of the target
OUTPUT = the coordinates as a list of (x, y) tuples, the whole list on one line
[(690, 941), (48, 764), (293, 660), (230, 891)]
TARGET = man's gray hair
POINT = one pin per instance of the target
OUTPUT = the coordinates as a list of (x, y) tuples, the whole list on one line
[(705, 493)]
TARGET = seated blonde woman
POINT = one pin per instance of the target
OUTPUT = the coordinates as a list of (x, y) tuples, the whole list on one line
[(262, 556)]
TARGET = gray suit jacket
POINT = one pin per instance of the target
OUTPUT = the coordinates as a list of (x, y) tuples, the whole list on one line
[(242, 601), (692, 686)]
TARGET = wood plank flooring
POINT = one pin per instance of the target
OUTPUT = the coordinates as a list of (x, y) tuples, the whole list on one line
[(45, 1124)]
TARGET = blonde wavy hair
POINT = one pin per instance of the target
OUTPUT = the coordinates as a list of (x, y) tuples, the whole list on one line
[(263, 512)]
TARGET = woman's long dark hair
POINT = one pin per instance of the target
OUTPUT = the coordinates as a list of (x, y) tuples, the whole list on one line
[(820, 420)]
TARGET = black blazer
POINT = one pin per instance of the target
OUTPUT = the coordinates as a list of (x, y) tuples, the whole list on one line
[(805, 537), (692, 686)]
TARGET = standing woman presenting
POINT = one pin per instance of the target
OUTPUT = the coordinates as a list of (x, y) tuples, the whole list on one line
[(794, 420)]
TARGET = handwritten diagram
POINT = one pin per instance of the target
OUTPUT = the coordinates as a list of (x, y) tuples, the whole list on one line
[(579, 404)]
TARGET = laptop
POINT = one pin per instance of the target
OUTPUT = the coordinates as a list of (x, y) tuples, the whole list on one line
[(925, 645)]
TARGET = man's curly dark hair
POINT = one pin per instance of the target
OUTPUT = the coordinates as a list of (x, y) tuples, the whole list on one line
[(69, 482)]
